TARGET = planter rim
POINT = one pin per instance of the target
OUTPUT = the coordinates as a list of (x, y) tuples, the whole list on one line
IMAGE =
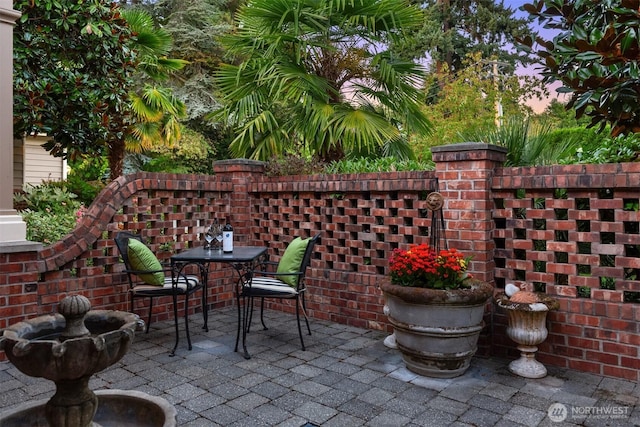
[(502, 300), (478, 293)]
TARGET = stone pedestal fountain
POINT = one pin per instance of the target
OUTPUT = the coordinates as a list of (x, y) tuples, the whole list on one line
[(68, 348)]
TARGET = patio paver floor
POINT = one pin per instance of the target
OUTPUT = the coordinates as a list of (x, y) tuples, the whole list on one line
[(346, 377)]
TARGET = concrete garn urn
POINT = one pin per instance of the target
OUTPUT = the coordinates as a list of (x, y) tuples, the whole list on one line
[(527, 315)]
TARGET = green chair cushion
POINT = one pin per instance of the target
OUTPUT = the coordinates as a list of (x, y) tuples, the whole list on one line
[(141, 258), (291, 260)]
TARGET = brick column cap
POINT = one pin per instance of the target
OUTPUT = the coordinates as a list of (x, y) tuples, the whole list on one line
[(238, 165), (469, 151)]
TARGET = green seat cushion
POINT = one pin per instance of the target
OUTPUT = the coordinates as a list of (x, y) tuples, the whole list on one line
[(291, 260), (142, 259)]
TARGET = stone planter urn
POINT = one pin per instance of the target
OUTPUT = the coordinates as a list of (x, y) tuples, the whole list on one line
[(527, 316), (437, 330)]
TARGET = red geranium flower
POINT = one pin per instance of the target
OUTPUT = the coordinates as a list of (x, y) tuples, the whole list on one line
[(420, 266)]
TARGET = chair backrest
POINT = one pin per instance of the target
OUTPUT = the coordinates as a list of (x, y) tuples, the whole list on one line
[(122, 242), (306, 259)]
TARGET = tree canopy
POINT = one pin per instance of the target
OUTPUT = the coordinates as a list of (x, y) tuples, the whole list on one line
[(453, 29), (86, 74), (596, 57), (319, 77), (476, 97), (72, 70)]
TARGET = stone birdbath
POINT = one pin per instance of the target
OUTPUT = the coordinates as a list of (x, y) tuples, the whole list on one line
[(68, 348), (527, 315)]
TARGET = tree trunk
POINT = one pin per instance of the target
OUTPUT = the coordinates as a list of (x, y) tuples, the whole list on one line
[(116, 158)]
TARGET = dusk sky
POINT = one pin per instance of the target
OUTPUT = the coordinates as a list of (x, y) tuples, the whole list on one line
[(538, 106)]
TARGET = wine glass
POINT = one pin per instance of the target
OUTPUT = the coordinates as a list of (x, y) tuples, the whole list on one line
[(218, 233), (208, 236)]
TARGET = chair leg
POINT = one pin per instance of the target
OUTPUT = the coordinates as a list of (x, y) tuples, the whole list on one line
[(304, 312), (239, 323), (175, 321), (247, 304), (150, 310), (250, 316), (298, 319), (186, 319), (262, 314)]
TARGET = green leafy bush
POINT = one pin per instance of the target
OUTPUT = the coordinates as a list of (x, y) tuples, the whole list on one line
[(298, 165), (293, 165), (612, 150), (88, 177), (527, 143), (50, 211), (47, 228), (194, 154), (381, 164)]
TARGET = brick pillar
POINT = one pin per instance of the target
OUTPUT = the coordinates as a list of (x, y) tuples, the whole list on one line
[(464, 172), (241, 173)]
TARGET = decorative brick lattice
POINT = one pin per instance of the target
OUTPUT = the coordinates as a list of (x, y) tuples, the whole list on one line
[(361, 222), (579, 243), (574, 233), (571, 231)]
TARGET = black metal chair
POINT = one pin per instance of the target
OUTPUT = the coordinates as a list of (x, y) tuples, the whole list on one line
[(275, 280), (148, 278)]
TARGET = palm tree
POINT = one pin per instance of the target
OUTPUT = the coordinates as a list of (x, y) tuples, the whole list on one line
[(321, 77), (156, 111)]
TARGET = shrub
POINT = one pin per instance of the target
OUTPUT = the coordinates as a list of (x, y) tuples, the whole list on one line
[(381, 164), (293, 165), (612, 150), (298, 165), (47, 228), (51, 211), (88, 176)]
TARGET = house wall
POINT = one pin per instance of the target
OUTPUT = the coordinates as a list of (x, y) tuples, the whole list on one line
[(521, 225), (33, 164), (18, 164)]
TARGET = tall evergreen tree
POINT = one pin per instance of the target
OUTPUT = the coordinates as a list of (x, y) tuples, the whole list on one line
[(196, 27), (453, 29), (76, 67)]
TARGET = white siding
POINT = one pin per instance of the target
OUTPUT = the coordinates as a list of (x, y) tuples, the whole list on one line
[(18, 164), (39, 165)]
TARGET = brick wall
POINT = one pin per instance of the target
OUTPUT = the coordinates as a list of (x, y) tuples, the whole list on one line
[(574, 233), (361, 218), (169, 211), (571, 231)]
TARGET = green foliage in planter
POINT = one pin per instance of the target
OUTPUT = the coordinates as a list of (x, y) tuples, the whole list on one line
[(293, 165), (381, 164), (50, 213), (299, 165)]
